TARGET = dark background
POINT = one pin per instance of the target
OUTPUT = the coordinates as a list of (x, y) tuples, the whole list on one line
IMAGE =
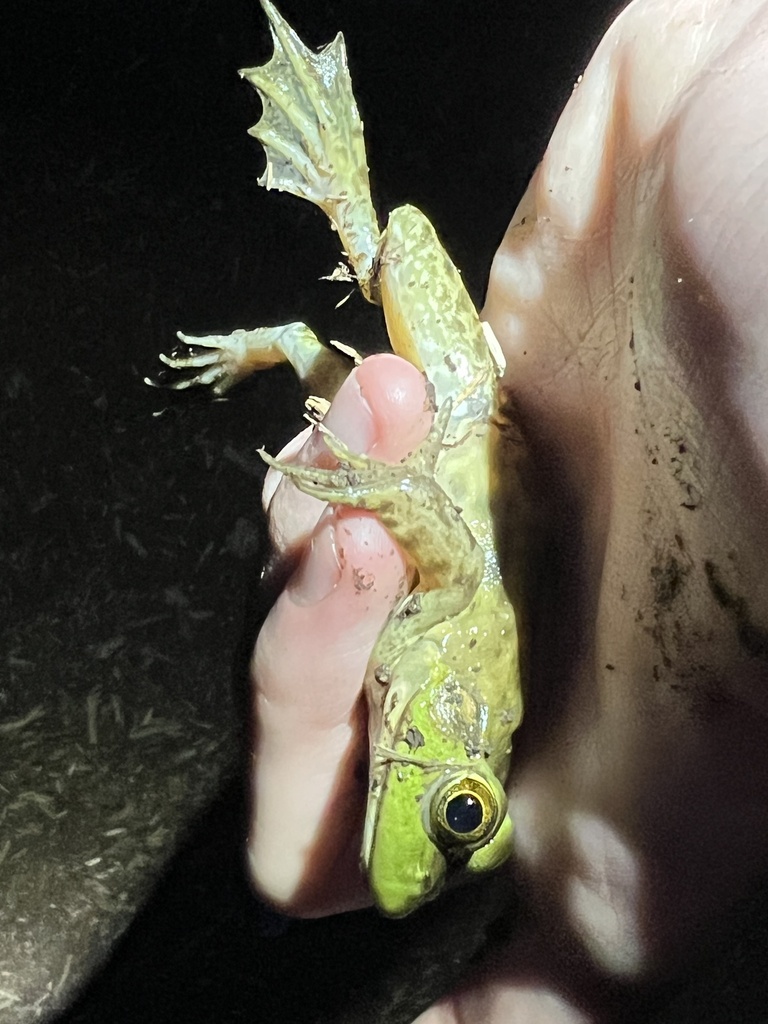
[(131, 542)]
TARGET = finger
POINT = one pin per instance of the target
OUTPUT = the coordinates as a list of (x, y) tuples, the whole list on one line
[(287, 453), (308, 797), (291, 513), (309, 775)]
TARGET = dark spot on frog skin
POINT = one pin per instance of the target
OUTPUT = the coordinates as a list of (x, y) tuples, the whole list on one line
[(414, 738), (667, 581), (753, 638), (475, 752)]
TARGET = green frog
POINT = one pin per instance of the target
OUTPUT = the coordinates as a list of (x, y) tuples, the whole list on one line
[(443, 681)]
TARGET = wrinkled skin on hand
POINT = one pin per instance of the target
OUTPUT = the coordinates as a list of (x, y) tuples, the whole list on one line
[(629, 298)]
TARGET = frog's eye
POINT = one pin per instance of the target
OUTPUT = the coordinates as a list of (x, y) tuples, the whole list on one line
[(464, 812)]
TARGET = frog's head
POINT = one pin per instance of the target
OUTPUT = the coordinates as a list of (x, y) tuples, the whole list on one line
[(428, 823)]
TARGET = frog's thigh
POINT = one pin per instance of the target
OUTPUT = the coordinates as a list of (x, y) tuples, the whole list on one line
[(430, 316)]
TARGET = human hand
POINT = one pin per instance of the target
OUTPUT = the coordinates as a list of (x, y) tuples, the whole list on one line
[(631, 308)]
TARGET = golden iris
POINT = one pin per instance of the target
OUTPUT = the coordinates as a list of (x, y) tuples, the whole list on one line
[(464, 812)]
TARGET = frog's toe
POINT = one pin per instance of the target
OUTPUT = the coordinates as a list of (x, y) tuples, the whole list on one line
[(211, 373), (345, 455), (424, 458), (334, 485), (363, 482), (217, 341), (212, 377), (179, 360)]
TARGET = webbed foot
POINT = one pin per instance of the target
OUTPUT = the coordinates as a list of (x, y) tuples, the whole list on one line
[(313, 137), (408, 500), (359, 480)]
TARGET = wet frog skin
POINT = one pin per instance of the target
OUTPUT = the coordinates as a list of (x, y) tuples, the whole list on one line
[(443, 681)]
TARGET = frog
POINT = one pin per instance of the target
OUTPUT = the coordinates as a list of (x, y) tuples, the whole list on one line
[(443, 683)]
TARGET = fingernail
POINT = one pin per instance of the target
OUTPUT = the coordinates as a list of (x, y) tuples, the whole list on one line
[(351, 420), (320, 569), (350, 417), (273, 477)]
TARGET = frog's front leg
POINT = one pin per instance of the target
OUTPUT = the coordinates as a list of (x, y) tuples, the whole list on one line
[(223, 360), (417, 512)]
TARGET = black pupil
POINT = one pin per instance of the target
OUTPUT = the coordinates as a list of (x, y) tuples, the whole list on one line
[(464, 813)]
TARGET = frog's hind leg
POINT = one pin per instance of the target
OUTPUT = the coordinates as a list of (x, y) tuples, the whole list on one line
[(416, 510), (221, 361), (313, 137)]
